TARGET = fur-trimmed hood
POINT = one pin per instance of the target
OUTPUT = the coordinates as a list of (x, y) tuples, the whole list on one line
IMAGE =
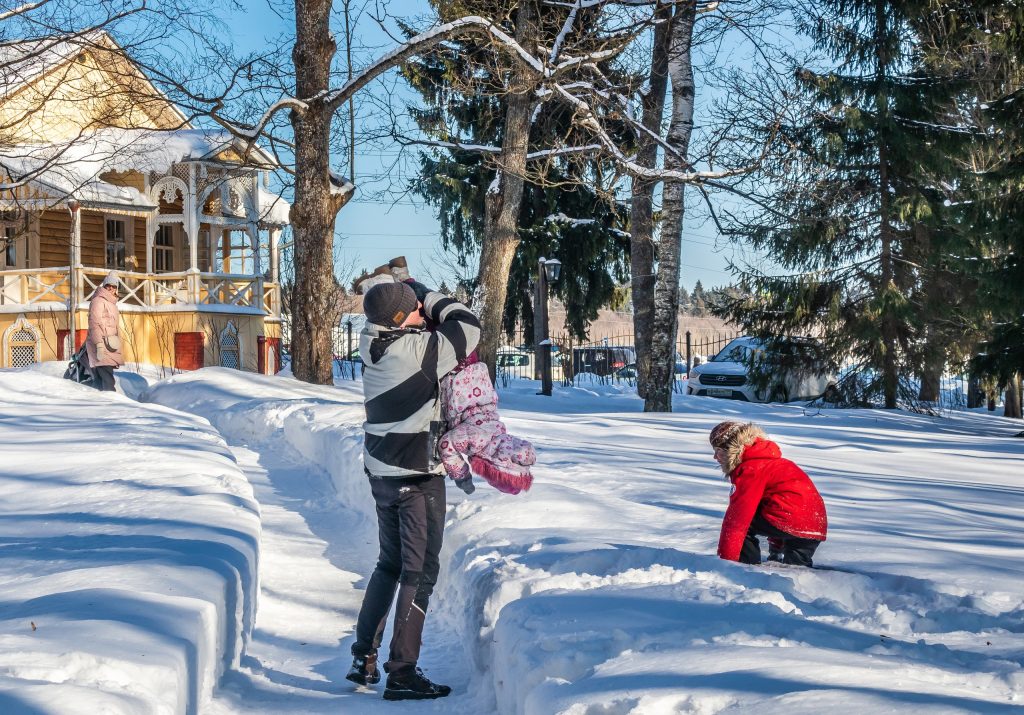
[(744, 437)]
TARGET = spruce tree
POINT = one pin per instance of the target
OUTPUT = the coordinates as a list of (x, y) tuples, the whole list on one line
[(986, 41), (564, 213), (857, 213)]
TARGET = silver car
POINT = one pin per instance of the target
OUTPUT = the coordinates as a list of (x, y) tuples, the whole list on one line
[(727, 375)]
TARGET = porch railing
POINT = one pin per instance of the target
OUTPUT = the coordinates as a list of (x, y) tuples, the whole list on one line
[(34, 287), (49, 287)]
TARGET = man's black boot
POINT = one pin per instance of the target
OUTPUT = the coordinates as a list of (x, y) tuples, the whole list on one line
[(364, 670), (411, 684)]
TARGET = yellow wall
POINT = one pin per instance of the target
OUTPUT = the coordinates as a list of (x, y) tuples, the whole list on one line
[(148, 338), (97, 88)]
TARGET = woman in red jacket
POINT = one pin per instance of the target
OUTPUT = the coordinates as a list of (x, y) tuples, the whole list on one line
[(771, 497)]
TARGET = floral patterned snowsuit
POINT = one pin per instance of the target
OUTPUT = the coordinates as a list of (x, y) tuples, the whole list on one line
[(475, 432)]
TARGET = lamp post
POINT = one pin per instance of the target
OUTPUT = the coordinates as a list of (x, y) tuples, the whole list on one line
[(548, 271)]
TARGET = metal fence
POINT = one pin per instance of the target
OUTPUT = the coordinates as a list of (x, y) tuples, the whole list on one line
[(611, 359)]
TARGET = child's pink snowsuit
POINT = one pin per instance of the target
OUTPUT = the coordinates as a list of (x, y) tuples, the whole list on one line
[(470, 407)]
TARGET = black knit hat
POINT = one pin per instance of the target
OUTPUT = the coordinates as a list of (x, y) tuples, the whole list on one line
[(389, 304)]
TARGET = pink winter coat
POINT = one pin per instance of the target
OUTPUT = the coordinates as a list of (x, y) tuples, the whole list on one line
[(104, 343), (476, 433)]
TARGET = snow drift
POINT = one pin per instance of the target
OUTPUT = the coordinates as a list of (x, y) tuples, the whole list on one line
[(128, 553)]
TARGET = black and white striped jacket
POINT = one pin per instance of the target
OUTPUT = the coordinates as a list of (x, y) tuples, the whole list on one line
[(401, 387)]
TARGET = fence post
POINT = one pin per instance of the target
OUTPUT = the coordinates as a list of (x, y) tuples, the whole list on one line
[(689, 353)]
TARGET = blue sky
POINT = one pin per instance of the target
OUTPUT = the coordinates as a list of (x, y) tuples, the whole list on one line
[(380, 223)]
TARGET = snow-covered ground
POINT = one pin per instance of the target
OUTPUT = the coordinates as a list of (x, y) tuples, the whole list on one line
[(598, 592), (128, 549)]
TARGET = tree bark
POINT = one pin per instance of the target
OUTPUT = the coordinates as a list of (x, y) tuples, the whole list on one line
[(975, 393), (641, 221), (890, 369), (658, 387), (1012, 399), (503, 200), (314, 305), (931, 374)]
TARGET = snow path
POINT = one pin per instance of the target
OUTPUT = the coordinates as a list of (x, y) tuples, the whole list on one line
[(317, 549)]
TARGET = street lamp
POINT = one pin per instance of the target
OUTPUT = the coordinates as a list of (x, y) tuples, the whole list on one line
[(548, 271)]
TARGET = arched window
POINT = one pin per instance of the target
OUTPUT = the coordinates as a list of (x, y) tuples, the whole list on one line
[(21, 344), (230, 348)]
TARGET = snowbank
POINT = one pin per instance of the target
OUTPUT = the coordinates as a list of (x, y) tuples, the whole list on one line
[(321, 427), (598, 592), (128, 553)]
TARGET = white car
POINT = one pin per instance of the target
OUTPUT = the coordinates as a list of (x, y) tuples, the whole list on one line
[(727, 375)]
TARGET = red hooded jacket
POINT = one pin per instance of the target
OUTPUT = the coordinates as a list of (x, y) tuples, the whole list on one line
[(780, 490)]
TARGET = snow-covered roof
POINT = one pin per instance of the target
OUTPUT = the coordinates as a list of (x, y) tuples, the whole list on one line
[(273, 208), (74, 167), (144, 150), (65, 178)]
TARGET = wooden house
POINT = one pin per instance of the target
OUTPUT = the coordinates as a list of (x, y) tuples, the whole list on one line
[(98, 172)]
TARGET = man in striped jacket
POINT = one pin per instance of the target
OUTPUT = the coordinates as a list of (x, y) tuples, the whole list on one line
[(404, 364)]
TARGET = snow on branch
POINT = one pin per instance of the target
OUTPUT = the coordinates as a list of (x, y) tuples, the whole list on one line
[(471, 25), (591, 122), (495, 150), (22, 9), (570, 20), (253, 133)]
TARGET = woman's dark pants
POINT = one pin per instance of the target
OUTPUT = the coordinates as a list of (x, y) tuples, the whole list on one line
[(103, 378)]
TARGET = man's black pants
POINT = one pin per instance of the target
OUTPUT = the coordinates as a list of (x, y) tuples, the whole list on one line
[(792, 549), (103, 378), (410, 516)]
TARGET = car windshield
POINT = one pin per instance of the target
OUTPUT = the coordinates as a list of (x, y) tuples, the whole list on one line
[(733, 352), (740, 352)]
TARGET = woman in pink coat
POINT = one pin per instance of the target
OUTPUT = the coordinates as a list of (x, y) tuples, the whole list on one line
[(103, 343)]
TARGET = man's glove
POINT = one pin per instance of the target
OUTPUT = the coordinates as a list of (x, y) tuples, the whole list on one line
[(419, 289), (466, 485)]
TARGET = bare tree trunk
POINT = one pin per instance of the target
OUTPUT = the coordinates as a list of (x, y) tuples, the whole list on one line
[(931, 374), (890, 369), (975, 393), (503, 200), (1012, 400), (658, 390), (641, 221), (314, 306)]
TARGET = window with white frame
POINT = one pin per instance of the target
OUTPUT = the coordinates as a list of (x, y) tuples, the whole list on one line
[(117, 230), (10, 230), (163, 249), (230, 349), (234, 253), (10, 246)]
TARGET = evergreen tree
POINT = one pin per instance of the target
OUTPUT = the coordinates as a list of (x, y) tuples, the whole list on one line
[(564, 213), (985, 41), (685, 301), (858, 214), (699, 300)]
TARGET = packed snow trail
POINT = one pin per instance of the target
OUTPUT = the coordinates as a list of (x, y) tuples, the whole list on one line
[(599, 592), (316, 552)]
